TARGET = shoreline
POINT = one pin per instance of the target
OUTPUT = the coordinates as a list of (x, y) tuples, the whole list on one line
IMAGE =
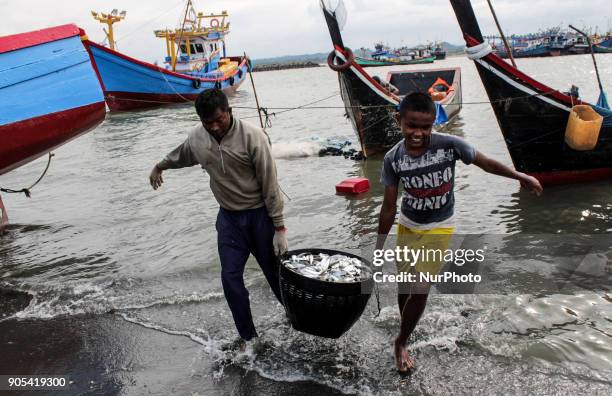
[(107, 354), (285, 66)]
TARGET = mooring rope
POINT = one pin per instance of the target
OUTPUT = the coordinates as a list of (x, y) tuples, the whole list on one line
[(139, 27), (308, 106), (27, 191)]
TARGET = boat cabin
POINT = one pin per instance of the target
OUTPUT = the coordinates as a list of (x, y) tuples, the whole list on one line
[(198, 46)]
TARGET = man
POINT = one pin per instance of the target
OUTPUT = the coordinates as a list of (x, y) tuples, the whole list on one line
[(243, 180), (424, 164)]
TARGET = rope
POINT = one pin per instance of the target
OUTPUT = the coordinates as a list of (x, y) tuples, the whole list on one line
[(178, 46), (26, 191), (288, 109), (148, 21), (171, 86), (478, 51), (268, 121), (309, 107)]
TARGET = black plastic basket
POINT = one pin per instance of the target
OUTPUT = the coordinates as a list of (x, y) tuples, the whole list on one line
[(321, 308)]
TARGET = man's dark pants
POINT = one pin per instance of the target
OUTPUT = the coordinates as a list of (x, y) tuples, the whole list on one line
[(239, 234)]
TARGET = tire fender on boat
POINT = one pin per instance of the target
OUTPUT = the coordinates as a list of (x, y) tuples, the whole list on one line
[(344, 66), (196, 83), (239, 73)]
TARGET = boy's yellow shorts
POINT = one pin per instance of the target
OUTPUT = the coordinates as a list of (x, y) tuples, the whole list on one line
[(432, 243)]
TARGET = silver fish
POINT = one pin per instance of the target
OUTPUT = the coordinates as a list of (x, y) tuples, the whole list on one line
[(336, 268)]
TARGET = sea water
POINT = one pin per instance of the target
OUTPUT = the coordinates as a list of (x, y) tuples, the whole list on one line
[(95, 238)]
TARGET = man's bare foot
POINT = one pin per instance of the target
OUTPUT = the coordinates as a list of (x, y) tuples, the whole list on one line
[(402, 360)]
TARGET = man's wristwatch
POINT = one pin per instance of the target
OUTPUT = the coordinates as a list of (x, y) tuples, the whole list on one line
[(280, 229)]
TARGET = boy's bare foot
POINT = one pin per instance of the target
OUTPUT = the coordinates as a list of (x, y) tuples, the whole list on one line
[(402, 360)]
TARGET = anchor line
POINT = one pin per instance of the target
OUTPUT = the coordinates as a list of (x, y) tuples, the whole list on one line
[(27, 191)]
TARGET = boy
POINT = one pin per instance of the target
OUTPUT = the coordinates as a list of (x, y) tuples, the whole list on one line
[(424, 163)]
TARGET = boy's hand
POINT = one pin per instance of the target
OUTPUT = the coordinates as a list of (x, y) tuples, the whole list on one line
[(531, 183)]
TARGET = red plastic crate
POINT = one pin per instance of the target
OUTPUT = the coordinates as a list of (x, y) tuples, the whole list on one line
[(354, 185)]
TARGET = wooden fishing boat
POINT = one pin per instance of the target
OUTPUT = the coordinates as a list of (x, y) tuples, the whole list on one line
[(370, 106), (530, 51), (600, 49), (49, 93), (385, 56), (533, 117), (369, 62), (438, 51), (195, 61)]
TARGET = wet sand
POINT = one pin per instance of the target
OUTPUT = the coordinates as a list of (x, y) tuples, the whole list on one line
[(105, 354)]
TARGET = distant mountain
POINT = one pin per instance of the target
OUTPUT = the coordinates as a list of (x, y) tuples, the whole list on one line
[(452, 48), (319, 57)]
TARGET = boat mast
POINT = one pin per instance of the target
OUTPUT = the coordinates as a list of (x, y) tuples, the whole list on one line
[(332, 24), (109, 19), (175, 55), (592, 55), (501, 33), (194, 30), (467, 19)]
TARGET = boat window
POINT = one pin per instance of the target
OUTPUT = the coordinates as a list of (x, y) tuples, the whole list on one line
[(192, 47), (211, 48), (199, 48), (183, 49), (215, 45)]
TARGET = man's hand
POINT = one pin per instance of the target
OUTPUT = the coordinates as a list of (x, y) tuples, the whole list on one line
[(280, 242), (155, 178), (531, 183)]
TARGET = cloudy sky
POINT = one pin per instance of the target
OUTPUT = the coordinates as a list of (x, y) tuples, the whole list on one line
[(266, 28)]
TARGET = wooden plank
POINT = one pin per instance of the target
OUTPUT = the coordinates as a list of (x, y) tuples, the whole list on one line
[(37, 37)]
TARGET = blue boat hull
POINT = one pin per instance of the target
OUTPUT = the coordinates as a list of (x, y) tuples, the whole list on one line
[(130, 84), (528, 52), (49, 93)]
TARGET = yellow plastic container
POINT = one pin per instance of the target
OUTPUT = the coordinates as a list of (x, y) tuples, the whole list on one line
[(582, 131), (228, 68)]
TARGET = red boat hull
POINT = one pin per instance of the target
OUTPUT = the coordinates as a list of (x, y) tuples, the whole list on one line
[(572, 176), (123, 101), (24, 141)]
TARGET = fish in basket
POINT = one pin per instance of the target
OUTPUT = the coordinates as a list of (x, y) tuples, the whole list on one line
[(324, 291)]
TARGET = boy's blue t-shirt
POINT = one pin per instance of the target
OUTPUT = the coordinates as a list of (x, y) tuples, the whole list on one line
[(428, 179)]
